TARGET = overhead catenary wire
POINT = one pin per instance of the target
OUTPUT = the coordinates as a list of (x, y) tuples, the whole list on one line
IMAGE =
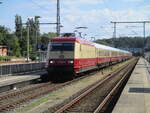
[(57, 18), (38, 5), (105, 29), (111, 14)]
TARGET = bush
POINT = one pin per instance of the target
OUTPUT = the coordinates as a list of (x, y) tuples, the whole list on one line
[(4, 58)]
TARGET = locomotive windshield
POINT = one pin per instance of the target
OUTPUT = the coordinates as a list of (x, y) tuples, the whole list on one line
[(64, 46)]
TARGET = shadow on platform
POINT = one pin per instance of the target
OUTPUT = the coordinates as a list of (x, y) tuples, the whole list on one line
[(143, 67), (139, 90), (141, 64)]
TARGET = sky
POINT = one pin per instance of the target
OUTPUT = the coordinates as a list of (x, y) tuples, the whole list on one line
[(96, 15)]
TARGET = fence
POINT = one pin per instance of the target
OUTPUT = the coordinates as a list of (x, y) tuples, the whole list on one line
[(19, 68)]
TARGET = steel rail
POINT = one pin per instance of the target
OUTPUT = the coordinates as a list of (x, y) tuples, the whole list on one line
[(74, 101), (11, 94), (27, 98), (104, 102), (45, 91)]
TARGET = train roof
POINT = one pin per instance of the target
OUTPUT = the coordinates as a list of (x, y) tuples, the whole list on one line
[(74, 39), (109, 48), (71, 39)]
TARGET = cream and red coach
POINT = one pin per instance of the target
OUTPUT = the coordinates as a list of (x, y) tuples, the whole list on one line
[(70, 55)]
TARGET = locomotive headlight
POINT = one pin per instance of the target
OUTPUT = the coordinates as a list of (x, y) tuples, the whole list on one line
[(71, 62), (51, 62)]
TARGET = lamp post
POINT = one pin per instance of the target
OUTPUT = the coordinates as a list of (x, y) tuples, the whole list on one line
[(28, 40)]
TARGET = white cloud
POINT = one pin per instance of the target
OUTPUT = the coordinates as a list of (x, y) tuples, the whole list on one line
[(73, 16), (95, 18)]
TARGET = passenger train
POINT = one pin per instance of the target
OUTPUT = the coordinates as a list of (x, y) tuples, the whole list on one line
[(70, 56)]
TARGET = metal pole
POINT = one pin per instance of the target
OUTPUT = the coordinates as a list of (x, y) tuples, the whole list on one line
[(58, 18), (28, 36), (36, 29), (36, 43), (144, 37), (143, 29), (21, 32), (114, 34)]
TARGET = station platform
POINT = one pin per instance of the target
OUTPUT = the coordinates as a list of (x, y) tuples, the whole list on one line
[(16, 81), (135, 97)]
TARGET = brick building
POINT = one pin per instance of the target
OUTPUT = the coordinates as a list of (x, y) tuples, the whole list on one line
[(3, 51)]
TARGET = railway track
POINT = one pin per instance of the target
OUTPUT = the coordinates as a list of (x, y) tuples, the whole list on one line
[(96, 98), (12, 99)]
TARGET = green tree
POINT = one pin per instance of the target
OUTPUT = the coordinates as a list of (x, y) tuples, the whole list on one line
[(3, 32), (10, 40), (123, 42), (16, 47), (23, 41), (44, 39), (12, 43), (18, 23)]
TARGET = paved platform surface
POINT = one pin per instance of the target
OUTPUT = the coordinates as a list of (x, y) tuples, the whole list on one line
[(135, 97), (9, 80)]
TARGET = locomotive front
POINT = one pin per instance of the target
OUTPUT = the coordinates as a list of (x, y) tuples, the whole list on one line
[(61, 58)]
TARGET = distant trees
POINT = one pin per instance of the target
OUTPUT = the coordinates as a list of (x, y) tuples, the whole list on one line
[(135, 44), (3, 33), (19, 26), (10, 40), (13, 44), (44, 39), (21, 33), (125, 42), (17, 42)]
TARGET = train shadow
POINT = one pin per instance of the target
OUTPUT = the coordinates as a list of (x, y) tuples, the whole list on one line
[(57, 78)]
